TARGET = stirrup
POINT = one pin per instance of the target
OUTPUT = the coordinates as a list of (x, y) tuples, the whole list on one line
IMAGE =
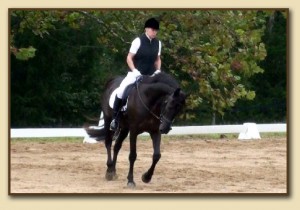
[(113, 125)]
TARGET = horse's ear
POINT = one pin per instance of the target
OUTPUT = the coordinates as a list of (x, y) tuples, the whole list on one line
[(176, 93)]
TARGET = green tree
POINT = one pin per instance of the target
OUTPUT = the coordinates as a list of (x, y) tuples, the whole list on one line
[(61, 83), (214, 53), (270, 87), (60, 59)]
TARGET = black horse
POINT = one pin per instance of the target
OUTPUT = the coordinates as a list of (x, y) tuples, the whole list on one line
[(152, 106)]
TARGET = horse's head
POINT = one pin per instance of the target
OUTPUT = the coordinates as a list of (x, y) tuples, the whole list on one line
[(172, 107)]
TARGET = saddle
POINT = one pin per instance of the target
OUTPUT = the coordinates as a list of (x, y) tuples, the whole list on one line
[(126, 93)]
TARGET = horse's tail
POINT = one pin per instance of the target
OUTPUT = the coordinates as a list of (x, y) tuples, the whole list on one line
[(96, 132)]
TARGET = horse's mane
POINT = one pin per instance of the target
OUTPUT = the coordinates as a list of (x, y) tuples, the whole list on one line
[(163, 78)]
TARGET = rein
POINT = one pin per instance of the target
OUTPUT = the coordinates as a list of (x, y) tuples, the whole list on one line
[(161, 117)]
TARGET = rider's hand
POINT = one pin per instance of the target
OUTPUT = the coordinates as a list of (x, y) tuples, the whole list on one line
[(136, 72), (157, 71)]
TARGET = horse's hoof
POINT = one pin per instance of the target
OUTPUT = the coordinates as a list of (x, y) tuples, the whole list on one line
[(110, 176), (131, 185), (146, 178)]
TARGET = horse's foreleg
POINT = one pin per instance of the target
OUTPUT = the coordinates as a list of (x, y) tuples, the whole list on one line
[(111, 170), (132, 158), (156, 139)]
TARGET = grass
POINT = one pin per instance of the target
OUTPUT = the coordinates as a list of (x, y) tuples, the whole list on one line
[(146, 138), (273, 135), (48, 140)]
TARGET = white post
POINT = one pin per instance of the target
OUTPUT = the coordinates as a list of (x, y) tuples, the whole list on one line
[(101, 120), (251, 132)]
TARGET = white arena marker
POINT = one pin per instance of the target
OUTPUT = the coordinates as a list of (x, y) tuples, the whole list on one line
[(251, 132)]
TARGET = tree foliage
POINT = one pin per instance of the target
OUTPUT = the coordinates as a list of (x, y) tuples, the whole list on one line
[(270, 103), (61, 59)]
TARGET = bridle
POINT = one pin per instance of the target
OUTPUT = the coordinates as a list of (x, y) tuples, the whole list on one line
[(161, 117)]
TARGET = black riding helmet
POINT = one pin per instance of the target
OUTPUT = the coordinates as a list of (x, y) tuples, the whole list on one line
[(152, 23)]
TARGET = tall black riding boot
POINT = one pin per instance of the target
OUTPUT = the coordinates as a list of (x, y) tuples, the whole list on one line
[(116, 108)]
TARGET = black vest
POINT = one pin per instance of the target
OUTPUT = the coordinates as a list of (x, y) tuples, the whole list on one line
[(146, 55)]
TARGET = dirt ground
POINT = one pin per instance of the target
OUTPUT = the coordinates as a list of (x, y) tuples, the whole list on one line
[(187, 165)]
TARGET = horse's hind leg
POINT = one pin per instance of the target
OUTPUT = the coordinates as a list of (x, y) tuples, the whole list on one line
[(132, 158), (111, 168), (156, 138)]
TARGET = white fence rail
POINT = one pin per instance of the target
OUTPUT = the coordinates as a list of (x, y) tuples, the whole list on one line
[(181, 130)]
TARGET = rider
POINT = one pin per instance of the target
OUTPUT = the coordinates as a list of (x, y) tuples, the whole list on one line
[(143, 59)]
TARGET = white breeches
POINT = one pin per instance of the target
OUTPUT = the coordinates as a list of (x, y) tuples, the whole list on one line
[(129, 79)]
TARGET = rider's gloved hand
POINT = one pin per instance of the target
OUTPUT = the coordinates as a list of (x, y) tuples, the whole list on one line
[(136, 72), (156, 72)]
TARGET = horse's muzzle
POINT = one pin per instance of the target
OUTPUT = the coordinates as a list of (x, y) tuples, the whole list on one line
[(164, 129)]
